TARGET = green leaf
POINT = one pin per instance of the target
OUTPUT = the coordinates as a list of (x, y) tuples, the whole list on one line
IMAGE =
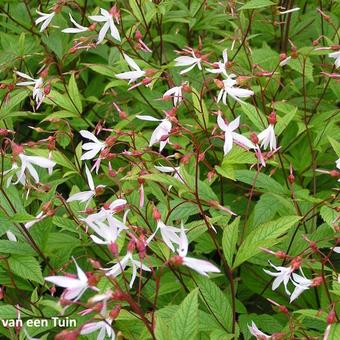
[(74, 94), (200, 108), (257, 4), (14, 101), (216, 301), (265, 235), (254, 115), (26, 267), (162, 330), (335, 144), (184, 324), (17, 248), (229, 240)]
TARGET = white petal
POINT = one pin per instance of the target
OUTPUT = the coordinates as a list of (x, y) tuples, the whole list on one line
[(89, 178), (149, 118), (200, 266), (64, 281), (114, 30), (103, 32)]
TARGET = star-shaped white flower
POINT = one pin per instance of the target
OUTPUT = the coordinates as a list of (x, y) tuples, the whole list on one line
[(188, 61), (301, 284), (45, 19), (75, 287), (257, 333), (104, 327), (200, 266), (27, 163), (38, 91), (93, 147), (282, 274), (106, 17), (131, 75), (220, 67), (161, 131), (229, 89), (78, 28), (85, 196), (127, 260), (230, 136), (267, 138), (175, 93)]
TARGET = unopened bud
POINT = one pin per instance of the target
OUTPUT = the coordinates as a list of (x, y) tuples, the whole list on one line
[(113, 247), (254, 138), (283, 56), (156, 214), (283, 309), (291, 179), (68, 335), (317, 281), (272, 118), (147, 81), (99, 190), (219, 83), (11, 87), (122, 115), (176, 260), (115, 312), (131, 246), (296, 263), (331, 317), (95, 264), (138, 35)]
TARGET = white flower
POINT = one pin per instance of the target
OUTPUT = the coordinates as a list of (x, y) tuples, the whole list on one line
[(104, 327), (85, 196), (186, 61), (200, 266), (176, 93), (267, 138), (11, 236), (169, 234), (285, 61), (38, 92), (75, 287), (282, 275), (91, 148), (78, 29), (220, 66), (301, 284), (107, 232), (289, 10), (336, 56), (170, 169), (127, 260), (109, 25), (44, 18), (27, 163), (234, 92), (230, 136), (38, 218), (161, 131), (131, 75), (257, 333)]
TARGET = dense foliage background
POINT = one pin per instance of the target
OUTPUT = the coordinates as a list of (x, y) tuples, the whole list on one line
[(241, 199)]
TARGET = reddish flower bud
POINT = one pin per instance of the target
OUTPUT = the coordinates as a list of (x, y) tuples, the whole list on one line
[(11, 87), (291, 178), (17, 149), (283, 309), (113, 247), (99, 190), (146, 81), (47, 89), (283, 56), (138, 35), (115, 312), (95, 264), (254, 138), (92, 279), (156, 214), (272, 118), (201, 156), (219, 83), (123, 115), (331, 317), (186, 88), (90, 211), (92, 27), (210, 175), (68, 335), (149, 72), (334, 173), (3, 86), (317, 281), (131, 246), (281, 255), (2, 293), (118, 295), (109, 141), (296, 263), (185, 158), (44, 73), (176, 260)]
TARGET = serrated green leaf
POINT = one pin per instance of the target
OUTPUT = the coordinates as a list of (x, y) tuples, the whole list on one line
[(229, 240), (26, 267), (184, 324), (265, 235), (252, 4)]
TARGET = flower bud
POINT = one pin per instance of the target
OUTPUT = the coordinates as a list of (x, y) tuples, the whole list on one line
[(2, 293), (17, 149), (115, 312), (99, 190), (95, 264), (291, 178), (296, 263), (11, 87), (186, 88), (331, 317), (44, 73), (68, 335), (122, 115), (219, 83), (131, 246), (113, 247), (156, 214), (283, 56), (272, 118), (176, 260), (254, 138), (3, 86), (317, 281), (283, 309), (138, 35)]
